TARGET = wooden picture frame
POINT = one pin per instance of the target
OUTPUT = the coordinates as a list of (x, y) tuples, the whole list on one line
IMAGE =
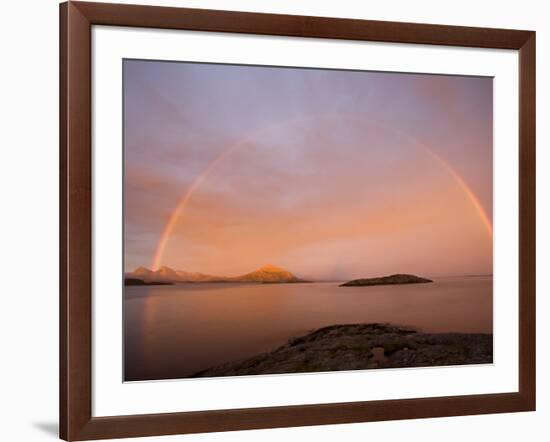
[(76, 21)]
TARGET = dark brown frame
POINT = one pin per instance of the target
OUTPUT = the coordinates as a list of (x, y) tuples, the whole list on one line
[(76, 421)]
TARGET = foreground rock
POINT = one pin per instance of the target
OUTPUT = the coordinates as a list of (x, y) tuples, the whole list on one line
[(387, 280), (363, 346)]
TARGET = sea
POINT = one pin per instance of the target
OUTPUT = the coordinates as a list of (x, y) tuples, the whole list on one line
[(174, 331)]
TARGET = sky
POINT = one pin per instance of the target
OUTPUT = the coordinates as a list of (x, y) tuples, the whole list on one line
[(330, 174)]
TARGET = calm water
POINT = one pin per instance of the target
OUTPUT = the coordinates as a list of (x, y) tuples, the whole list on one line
[(174, 331)]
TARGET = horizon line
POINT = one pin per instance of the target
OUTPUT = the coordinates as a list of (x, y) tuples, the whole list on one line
[(464, 275)]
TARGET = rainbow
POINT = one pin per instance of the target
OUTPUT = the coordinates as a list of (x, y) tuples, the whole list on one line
[(184, 200), (186, 197), (180, 206), (466, 189)]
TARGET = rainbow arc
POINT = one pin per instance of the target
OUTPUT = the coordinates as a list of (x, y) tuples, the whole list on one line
[(186, 197)]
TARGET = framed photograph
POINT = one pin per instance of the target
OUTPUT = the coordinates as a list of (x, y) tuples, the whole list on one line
[(274, 220)]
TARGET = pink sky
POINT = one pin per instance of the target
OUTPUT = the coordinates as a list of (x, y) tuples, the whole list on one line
[(330, 174)]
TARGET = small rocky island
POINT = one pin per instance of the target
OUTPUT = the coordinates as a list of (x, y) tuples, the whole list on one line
[(398, 278), (363, 346)]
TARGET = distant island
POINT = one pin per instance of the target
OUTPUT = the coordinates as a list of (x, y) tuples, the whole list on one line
[(136, 281), (387, 280), (268, 274), (360, 347)]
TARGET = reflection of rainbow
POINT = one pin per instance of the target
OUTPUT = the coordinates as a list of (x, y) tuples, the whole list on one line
[(184, 200)]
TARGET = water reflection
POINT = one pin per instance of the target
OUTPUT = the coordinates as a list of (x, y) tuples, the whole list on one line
[(174, 331)]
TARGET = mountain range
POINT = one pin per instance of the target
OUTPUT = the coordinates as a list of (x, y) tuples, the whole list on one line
[(266, 274)]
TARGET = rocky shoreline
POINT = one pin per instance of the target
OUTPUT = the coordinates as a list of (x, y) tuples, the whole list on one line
[(360, 347), (137, 281)]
